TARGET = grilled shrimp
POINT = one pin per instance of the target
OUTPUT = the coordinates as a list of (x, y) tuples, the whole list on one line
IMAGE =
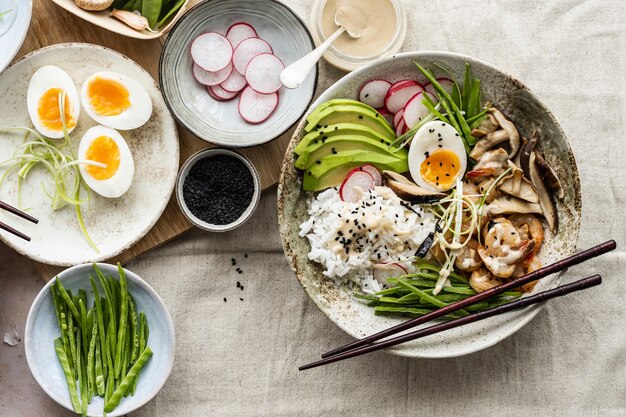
[(467, 258), (503, 247), (529, 227), (482, 279)]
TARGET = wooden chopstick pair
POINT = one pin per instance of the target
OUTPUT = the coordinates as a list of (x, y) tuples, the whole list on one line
[(366, 345), (19, 213)]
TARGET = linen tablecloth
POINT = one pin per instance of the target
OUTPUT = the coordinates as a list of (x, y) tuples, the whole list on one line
[(237, 351)]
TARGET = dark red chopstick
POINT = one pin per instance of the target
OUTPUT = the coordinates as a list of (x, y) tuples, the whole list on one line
[(575, 259), (19, 213), (505, 308)]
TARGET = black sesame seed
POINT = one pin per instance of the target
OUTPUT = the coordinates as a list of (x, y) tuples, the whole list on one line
[(336, 127), (360, 117), (440, 164), (325, 126), (224, 299), (447, 175), (441, 146), (367, 95), (318, 162), (241, 299), (431, 130)]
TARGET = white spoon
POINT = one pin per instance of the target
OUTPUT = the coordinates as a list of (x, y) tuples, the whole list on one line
[(294, 74)]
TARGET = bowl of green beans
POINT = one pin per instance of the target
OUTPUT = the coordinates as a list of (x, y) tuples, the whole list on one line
[(99, 340)]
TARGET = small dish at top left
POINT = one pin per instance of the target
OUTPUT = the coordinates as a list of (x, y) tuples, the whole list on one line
[(15, 18)]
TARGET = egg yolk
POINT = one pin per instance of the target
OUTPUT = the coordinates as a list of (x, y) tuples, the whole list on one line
[(103, 149), (50, 113), (441, 168), (107, 97)]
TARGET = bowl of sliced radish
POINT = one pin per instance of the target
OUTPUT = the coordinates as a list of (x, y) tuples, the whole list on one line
[(220, 67)]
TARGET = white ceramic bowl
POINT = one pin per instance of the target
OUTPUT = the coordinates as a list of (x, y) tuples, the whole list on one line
[(220, 122), (42, 328), (12, 40)]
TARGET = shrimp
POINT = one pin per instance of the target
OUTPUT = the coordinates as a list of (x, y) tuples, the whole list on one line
[(482, 279), (529, 227), (467, 258), (503, 247)]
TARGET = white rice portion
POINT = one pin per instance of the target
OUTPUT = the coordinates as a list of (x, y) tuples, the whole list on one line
[(392, 231)]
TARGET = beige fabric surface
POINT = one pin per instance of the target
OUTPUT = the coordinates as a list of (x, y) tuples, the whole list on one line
[(239, 358)]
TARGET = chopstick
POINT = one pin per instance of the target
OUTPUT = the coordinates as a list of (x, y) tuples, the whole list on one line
[(19, 213), (575, 259), (514, 305)]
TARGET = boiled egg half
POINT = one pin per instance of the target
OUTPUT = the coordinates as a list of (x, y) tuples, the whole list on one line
[(43, 100), (106, 146), (437, 156), (116, 101)]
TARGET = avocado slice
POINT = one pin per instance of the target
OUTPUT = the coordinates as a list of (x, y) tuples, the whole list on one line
[(348, 111), (340, 143), (340, 129), (332, 169)]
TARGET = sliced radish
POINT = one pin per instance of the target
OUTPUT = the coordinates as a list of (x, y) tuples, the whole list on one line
[(255, 107), (401, 128), (415, 110), (263, 73), (234, 83), (402, 83), (383, 271), (239, 31), (397, 118), (211, 78), (248, 49), (373, 93), (221, 94), (355, 184), (445, 82), (386, 114), (211, 51), (374, 172), (398, 98)]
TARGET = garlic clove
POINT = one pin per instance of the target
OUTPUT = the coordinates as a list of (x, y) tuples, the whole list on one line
[(134, 20)]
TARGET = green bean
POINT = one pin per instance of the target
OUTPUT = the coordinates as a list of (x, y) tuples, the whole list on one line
[(454, 121), (69, 377), (68, 300), (134, 335), (72, 341), (150, 9), (429, 298), (121, 332), (143, 326), (91, 375), (112, 326), (61, 312), (392, 300), (474, 99), (83, 313), (459, 290), (172, 10), (466, 88), (100, 316), (382, 310), (100, 377), (115, 399), (478, 306), (434, 111)]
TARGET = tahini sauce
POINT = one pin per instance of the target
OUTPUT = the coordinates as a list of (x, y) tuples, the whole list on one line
[(374, 20)]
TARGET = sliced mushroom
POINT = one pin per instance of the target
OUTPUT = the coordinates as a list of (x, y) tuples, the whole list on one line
[(527, 149), (490, 124), (545, 198), (517, 185), (408, 190), (392, 175), (507, 204), (549, 176), (491, 163), (508, 132)]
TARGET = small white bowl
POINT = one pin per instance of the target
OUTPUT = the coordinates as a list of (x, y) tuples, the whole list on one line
[(184, 171), (42, 328)]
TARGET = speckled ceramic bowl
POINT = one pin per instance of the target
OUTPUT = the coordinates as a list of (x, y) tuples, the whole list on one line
[(42, 328), (245, 216), (528, 113), (113, 224), (220, 122)]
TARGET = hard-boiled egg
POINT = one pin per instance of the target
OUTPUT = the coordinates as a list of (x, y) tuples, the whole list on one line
[(437, 156), (44, 90), (116, 101), (105, 145)]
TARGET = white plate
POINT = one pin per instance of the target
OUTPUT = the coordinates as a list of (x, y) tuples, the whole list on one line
[(114, 224), (11, 41)]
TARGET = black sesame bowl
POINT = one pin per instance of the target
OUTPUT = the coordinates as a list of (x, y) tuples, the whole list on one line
[(218, 189)]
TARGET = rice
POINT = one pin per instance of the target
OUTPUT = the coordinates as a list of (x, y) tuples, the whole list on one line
[(349, 239)]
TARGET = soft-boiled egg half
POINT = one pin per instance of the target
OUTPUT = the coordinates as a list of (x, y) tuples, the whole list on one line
[(437, 156), (116, 101), (105, 145), (43, 100)]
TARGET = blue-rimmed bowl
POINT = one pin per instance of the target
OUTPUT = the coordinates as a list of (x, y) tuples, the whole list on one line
[(42, 328), (220, 122)]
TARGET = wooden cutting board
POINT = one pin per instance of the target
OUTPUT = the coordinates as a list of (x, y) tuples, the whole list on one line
[(52, 25)]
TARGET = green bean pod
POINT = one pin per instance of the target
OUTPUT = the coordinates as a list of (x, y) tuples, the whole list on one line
[(115, 399)]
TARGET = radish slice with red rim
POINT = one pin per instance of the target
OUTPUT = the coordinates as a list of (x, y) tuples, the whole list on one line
[(383, 271), (415, 110), (445, 82), (255, 107), (234, 83), (239, 31), (211, 51), (397, 118), (355, 184), (374, 172), (401, 128), (263, 73), (398, 98), (386, 114), (402, 83), (211, 78), (220, 93), (248, 49), (373, 93)]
